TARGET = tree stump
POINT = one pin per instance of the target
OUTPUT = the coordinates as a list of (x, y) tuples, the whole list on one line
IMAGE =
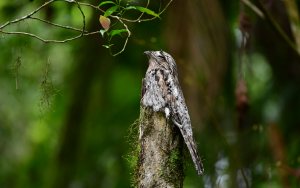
[(160, 161)]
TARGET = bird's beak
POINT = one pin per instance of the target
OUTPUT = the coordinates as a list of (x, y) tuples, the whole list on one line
[(148, 53)]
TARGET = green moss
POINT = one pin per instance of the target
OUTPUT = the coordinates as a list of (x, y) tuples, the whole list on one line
[(133, 156), (174, 158), (16, 69), (173, 172), (47, 89), (134, 164), (135, 148)]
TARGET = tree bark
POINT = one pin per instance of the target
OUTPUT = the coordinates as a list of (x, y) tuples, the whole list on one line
[(160, 151)]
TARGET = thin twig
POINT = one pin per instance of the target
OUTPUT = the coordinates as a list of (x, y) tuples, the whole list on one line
[(277, 27), (262, 12), (91, 6), (83, 17), (253, 8), (39, 38), (147, 19), (293, 13), (48, 40), (30, 16), (126, 40), (26, 16), (57, 25), (142, 14), (91, 33), (83, 31), (116, 17), (245, 178)]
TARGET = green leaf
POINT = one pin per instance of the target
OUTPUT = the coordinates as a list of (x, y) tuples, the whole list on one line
[(102, 31), (144, 10), (111, 10), (117, 32), (106, 2)]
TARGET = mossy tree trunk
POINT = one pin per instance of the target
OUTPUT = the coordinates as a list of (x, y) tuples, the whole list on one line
[(160, 151)]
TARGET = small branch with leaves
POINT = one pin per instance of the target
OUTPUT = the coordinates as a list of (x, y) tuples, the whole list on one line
[(117, 10)]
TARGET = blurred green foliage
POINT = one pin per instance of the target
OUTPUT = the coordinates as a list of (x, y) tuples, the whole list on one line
[(66, 109)]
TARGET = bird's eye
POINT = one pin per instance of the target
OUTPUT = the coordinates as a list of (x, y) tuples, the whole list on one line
[(161, 56)]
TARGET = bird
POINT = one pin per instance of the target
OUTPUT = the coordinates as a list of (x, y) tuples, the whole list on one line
[(161, 91)]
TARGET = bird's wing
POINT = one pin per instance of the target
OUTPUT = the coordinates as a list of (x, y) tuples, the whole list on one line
[(180, 117)]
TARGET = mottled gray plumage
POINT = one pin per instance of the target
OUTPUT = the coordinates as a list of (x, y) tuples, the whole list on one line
[(162, 92)]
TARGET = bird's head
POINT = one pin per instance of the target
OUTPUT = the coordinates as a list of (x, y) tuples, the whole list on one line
[(161, 59)]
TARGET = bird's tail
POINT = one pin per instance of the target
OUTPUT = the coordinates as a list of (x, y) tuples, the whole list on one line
[(191, 145)]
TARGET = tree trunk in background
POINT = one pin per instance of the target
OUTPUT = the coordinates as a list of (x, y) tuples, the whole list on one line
[(285, 65), (160, 152), (197, 37), (87, 66)]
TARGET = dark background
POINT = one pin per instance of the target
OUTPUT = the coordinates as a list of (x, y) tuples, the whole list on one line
[(66, 110)]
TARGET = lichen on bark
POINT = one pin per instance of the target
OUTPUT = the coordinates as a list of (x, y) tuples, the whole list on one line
[(160, 152)]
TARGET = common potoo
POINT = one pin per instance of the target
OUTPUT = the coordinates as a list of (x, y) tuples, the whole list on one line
[(161, 91)]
